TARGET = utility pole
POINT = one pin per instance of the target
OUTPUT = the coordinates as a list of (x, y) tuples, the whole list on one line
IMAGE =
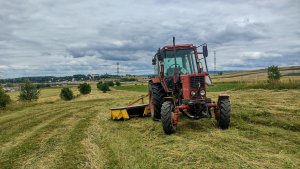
[(215, 61), (118, 68)]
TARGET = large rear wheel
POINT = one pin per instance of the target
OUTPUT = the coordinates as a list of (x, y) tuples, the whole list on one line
[(156, 95), (225, 110), (167, 114)]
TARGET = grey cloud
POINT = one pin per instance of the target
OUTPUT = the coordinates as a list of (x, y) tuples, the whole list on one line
[(252, 63), (234, 32), (68, 37)]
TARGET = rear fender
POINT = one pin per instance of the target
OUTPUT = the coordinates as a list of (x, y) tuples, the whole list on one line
[(222, 97), (171, 99), (151, 81), (154, 80)]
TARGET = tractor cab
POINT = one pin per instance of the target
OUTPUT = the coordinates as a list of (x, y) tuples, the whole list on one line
[(186, 61)]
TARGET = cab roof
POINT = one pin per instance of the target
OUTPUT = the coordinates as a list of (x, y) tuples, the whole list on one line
[(178, 46)]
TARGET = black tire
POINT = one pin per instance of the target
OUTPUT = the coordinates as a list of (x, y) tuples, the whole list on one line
[(166, 117), (156, 94), (225, 109)]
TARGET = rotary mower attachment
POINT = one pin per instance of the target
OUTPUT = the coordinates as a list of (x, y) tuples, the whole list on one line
[(131, 110)]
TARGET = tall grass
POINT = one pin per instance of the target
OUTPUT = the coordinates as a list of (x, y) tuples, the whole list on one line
[(242, 85), (272, 85)]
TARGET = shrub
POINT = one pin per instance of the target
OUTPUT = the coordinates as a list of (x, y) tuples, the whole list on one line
[(128, 79), (66, 94), (99, 84), (118, 83), (103, 87), (273, 73), (29, 91), (42, 85), (85, 88), (4, 98)]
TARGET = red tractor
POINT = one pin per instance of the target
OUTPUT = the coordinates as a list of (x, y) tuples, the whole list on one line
[(179, 85)]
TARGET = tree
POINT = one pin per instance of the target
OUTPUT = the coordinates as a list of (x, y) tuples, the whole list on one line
[(29, 91), (85, 88), (66, 94), (4, 98), (273, 73), (103, 87), (110, 83), (118, 83), (99, 84)]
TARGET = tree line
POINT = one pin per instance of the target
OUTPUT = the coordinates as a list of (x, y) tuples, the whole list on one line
[(77, 77), (31, 92)]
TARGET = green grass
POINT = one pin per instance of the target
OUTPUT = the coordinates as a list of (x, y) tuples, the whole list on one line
[(225, 86), (51, 133), (136, 88)]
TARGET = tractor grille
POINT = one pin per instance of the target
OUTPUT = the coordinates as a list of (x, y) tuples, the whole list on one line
[(195, 81)]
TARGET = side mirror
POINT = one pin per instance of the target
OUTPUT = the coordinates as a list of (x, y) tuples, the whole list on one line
[(159, 55), (154, 60), (205, 52)]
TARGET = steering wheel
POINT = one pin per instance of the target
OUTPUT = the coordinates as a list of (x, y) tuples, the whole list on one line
[(179, 68), (174, 65), (171, 70)]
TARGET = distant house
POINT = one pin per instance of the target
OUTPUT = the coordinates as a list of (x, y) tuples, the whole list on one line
[(93, 76), (8, 89)]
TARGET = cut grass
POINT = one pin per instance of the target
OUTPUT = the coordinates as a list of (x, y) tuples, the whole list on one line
[(264, 133)]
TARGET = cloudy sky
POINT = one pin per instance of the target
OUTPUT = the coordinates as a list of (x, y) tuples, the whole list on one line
[(66, 37)]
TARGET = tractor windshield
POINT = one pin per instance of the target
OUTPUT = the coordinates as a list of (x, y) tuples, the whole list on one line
[(186, 62)]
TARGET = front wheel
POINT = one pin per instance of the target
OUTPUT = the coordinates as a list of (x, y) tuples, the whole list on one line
[(225, 110), (167, 115)]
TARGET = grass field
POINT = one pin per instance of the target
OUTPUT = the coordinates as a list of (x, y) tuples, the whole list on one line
[(51, 133), (137, 88)]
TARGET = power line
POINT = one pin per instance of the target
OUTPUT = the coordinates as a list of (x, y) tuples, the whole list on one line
[(118, 68), (215, 61)]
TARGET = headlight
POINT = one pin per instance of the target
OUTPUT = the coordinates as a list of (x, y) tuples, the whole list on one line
[(202, 92), (193, 93)]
